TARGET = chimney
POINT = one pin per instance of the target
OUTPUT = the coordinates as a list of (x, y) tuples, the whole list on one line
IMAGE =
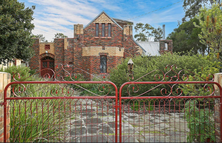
[(78, 29), (163, 31), (127, 30)]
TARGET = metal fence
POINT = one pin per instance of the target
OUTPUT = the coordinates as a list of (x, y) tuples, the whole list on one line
[(40, 114), (173, 109), (176, 116)]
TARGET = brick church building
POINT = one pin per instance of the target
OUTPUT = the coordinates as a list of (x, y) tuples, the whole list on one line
[(95, 49)]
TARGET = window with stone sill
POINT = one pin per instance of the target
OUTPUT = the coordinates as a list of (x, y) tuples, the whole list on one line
[(97, 29), (103, 64), (109, 29), (103, 29)]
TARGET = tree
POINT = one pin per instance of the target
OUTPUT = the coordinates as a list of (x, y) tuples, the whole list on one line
[(192, 7), (146, 31), (157, 33), (41, 37), (15, 30), (60, 35), (210, 24), (185, 38)]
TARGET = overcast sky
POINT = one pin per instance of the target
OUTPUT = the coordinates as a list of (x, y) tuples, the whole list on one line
[(59, 16)]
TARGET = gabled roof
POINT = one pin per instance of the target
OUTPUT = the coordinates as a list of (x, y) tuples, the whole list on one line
[(122, 21), (107, 16), (152, 48)]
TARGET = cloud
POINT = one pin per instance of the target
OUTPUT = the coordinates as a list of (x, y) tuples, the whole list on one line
[(58, 16), (169, 15), (52, 16)]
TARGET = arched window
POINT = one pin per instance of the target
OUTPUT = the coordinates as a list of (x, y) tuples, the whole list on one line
[(47, 58)]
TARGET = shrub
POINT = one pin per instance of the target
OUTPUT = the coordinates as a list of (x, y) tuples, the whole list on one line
[(200, 122), (199, 119), (199, 112), (32, 72), (156, 67), (20, 73)]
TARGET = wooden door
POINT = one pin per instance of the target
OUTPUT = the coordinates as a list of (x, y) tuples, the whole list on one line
[(47, 67)]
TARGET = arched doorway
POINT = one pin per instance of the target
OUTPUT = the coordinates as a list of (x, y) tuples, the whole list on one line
[(47, 66)]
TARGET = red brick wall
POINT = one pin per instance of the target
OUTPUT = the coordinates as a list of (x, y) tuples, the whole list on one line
[(78, 44), (92, 64), (131, 48), (59, 57), (91, 40), (73, 52), (69, 56), (87, 67)]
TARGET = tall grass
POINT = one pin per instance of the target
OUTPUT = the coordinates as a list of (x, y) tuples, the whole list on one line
[(40, 120)]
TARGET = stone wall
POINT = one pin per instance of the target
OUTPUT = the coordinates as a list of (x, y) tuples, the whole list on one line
[(5, 78), (96, 50), (78, 29), (128, 30), (103, 18)]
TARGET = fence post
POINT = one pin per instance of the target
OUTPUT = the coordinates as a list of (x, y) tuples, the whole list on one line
[(217, 117), (5, 78)]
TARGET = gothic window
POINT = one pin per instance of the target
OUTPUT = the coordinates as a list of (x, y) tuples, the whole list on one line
[(97, 29), (103, 30), (109, 30), (103, 64)]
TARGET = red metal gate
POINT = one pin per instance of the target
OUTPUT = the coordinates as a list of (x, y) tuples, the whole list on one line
[(164, 118), (174, 109), (57, 115)]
